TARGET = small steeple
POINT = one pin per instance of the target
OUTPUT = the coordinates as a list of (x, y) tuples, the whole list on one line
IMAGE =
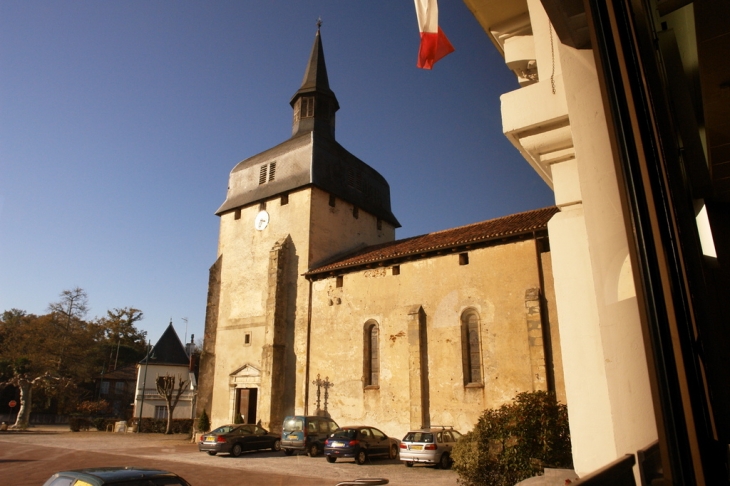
[(314, 103)]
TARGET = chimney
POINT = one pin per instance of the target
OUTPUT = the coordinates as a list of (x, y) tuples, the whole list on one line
[(190, 347)]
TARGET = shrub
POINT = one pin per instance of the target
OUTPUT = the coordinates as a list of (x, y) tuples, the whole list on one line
[(102, 423), (203, 422), (515, 442), (98, 407), (238, 419), (77, 424), (177, 426)]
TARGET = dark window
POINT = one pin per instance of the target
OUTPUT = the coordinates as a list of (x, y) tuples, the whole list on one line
[(371, 362), (307, 110), (463, 259), (396, 269), (272, 171), (247, 339), (262, 206), (345, 434), (338, 281), (471, 355), (284, 199), (293, 425), (237, 214), (160, 412), (262, 174)]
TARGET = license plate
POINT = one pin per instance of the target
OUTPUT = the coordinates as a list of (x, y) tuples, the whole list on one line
[(416, 447), (338, 444), (210, 439), (293, 436)]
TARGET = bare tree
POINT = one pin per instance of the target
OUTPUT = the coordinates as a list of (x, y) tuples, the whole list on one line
[(67, 317), (166, 389)]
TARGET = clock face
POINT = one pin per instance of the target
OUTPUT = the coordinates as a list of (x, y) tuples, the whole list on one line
[(261, 221)]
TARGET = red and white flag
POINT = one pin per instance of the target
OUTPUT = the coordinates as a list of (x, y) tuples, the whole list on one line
[(434, 44)]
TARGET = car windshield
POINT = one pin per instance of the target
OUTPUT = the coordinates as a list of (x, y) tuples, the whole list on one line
[(293, 425), (224, 430), (418, 437), (345, 434)]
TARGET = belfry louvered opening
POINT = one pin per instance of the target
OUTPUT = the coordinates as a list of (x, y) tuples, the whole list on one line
[(267, 173)]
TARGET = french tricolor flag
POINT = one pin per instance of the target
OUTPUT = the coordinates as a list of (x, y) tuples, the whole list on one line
[(434, 44)]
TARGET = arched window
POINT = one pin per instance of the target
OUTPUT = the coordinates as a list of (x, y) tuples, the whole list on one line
[(371, 355), (471, 355)]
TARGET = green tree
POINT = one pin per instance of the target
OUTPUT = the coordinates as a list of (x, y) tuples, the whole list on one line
[(62, 348), (515, 442), (125, 343), (203, 424)]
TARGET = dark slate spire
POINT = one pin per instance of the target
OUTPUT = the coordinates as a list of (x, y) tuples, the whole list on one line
[(168, 350), (314, 103)]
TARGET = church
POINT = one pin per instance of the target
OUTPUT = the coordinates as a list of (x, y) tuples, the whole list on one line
[(314, 307)]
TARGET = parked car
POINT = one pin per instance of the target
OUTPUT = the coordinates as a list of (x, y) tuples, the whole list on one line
[(306, 433), (100, 476), (359, 442), (430, 446), (236, 438)]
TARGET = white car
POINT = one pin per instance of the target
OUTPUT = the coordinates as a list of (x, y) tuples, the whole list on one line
[(429, 446)]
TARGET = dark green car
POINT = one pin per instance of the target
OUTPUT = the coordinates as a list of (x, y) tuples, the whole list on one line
[(122, 476)]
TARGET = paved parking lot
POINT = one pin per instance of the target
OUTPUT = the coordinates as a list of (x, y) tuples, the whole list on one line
[(30, 458)]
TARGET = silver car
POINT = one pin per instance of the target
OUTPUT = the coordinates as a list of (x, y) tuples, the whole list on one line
[(429, 446)]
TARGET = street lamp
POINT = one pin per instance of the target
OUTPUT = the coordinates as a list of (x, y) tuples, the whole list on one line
[(144, 386)]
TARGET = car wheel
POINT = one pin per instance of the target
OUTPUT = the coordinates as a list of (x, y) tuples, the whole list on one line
[(277, 446), (313, 450), (331, 459), (393, 452), (288, 452), (445, 461), (408, 464), (361, 457), (236, 450), (212, 453)]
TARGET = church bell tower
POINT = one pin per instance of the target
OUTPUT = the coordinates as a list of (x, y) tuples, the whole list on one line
[(288, 209)]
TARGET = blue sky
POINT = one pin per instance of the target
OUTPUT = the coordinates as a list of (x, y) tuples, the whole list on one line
[(120, 122)]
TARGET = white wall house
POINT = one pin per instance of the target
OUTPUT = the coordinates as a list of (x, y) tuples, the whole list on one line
[(166, 357)]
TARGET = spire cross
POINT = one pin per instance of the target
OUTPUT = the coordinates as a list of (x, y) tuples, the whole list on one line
[(319, 23)]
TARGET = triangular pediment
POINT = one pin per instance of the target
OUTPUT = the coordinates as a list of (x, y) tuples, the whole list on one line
[(245, 376), (247, 370)]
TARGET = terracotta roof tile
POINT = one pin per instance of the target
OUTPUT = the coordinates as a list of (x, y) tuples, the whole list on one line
[(514, 224)]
